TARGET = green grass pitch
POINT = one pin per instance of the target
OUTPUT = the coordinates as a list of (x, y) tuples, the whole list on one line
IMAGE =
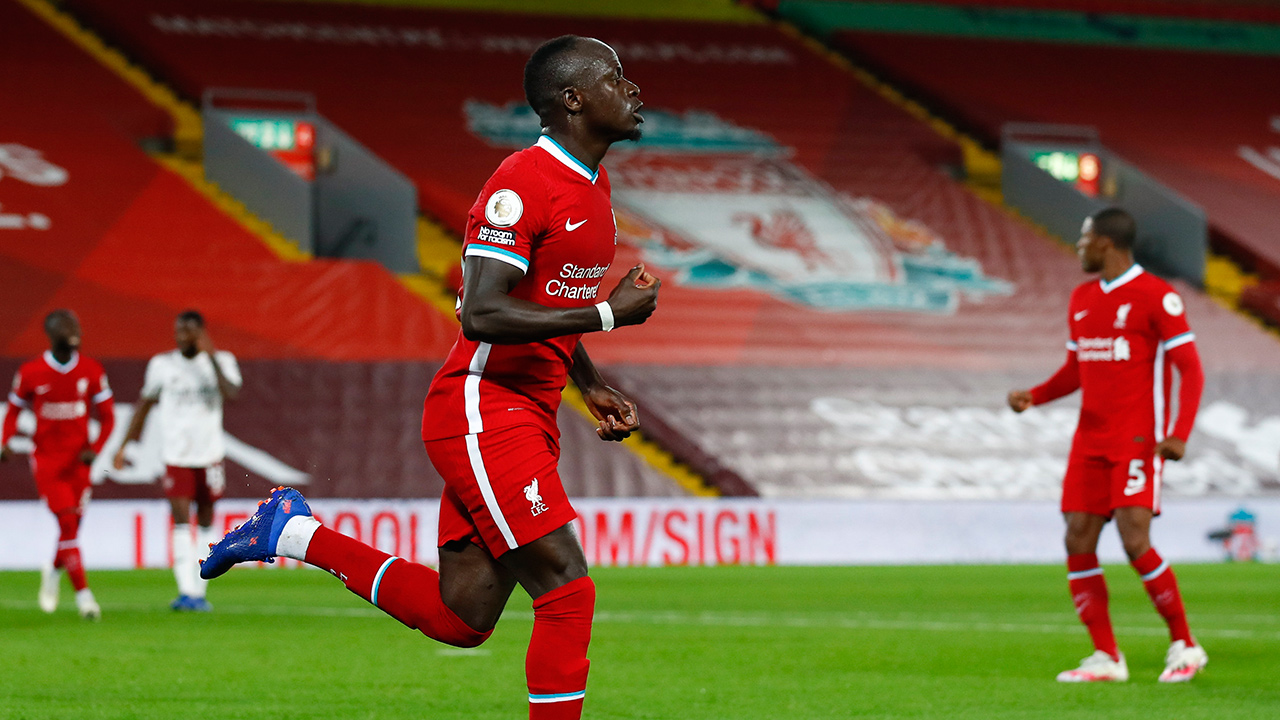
[(724, 643)]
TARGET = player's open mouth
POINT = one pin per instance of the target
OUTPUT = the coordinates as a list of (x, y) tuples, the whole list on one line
[(635, 113)]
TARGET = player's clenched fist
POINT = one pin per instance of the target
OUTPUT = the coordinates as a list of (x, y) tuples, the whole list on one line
[(635, 298), (1019, 400)]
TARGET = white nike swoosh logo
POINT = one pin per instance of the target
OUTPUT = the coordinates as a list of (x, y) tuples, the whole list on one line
[(571, 226), (1080, 314), (1134, 491)]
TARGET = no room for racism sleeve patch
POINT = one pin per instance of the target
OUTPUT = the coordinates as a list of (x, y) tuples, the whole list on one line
[(498, 237)]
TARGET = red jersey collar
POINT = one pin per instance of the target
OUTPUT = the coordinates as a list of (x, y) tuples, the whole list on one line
[(1134, 271), (558, 152), (52, 362)]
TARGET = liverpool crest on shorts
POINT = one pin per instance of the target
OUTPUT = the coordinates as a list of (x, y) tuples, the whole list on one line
[(537, 507)]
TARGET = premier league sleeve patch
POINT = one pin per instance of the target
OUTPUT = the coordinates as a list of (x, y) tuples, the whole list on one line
[(504, 208)]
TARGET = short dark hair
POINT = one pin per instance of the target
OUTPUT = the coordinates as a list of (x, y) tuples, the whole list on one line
[(548, 72), (191, 316), (1118, 225), (54, 316)]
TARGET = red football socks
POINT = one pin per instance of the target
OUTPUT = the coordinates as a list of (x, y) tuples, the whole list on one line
[(68, 554), (1162, 586), (556, 664), (406, 591), (1089, 593)]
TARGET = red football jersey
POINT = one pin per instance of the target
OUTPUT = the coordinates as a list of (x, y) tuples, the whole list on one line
[(60, 396), (1120, 332), (547, 214)]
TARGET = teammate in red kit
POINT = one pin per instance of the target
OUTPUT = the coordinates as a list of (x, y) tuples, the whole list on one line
[(1127, 331), (539, 239), (59, 387)]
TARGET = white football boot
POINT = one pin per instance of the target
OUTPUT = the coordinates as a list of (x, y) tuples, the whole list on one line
[(50, 583), (87, 605), (1182, 663), (1098, 667)]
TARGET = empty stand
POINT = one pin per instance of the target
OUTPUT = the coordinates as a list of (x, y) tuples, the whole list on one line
[(1187, 118), (336, 355), (128, 244)]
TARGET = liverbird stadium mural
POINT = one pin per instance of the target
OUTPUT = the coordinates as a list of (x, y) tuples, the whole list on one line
[(723, 207)]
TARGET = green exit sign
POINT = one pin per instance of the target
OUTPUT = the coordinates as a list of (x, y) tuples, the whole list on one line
[(1083, 170), (267, 134), (1064, 166)]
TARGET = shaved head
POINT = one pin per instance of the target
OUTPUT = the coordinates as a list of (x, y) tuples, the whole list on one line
[(63, 328), (57, 319), (557, 65), (1118, 225)]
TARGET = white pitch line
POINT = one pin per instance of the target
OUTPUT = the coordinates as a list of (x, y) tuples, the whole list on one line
[(870, 621), (847, 621)]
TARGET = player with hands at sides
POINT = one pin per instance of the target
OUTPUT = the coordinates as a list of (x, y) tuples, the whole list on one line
[(539, 240), (59, 387), (1128, 331)]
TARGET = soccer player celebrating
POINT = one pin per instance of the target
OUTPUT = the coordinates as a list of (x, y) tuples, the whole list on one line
[(539, 239), (59, 387), (190, 385), (1126, 331)]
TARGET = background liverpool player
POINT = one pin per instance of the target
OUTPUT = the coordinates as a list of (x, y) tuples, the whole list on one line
[(190, 384), (1127, 330), (58, 387), (539, 239)]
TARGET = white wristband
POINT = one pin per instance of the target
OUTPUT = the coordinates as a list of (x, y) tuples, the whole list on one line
[(606, 315)]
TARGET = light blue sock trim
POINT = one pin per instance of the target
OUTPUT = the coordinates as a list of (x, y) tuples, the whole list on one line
[(557, 697), (377, 579), (1164, 565)]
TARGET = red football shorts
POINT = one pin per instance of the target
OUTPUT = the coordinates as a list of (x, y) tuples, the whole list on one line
[(1099, 484), (62, 481), (201, 484), (502, 488)]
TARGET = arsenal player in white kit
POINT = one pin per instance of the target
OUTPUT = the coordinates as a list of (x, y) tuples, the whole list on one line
[(189, 385), (60, 387), (1128, 332), (539, 240)]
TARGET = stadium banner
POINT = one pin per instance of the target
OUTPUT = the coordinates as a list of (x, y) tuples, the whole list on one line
[(125, 534)]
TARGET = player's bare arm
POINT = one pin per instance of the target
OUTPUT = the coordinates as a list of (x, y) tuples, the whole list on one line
[(228, 389), (490, 314), (134, 432), (615, 413)]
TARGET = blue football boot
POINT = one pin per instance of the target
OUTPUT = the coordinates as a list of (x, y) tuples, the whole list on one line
[(200, 605), (256, 539), (183, 603)]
